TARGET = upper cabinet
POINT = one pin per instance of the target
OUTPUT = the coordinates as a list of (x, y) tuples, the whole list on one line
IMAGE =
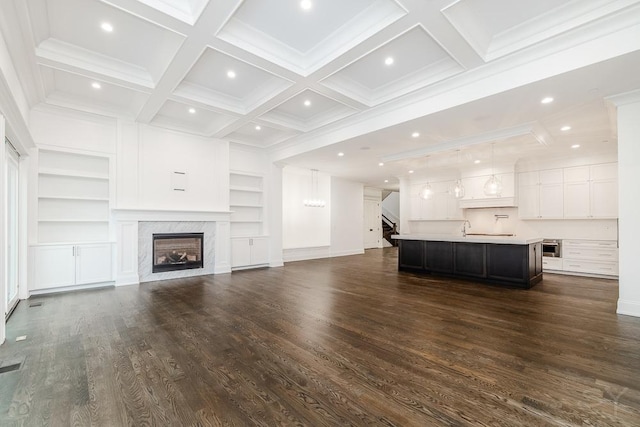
[(591, 191), (540, 194), (442, 205), (580, 192), (475, 196)]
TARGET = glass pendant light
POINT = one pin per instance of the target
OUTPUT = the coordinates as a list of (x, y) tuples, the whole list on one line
[(493, 186), (426, 192), (458, 189)]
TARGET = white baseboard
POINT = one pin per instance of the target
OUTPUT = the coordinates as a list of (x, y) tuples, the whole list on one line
[(132, 279), (276, 263), (347, 253), (302, 254), (629, 308), (37, 292)]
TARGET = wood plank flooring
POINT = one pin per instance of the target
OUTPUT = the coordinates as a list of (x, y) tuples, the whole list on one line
[(343, 341)]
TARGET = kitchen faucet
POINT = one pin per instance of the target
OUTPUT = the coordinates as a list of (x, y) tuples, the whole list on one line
[(464, 227)]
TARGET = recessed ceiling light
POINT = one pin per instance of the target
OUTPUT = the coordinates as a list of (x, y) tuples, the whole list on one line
[(386, 180), (575, 146), (380, 164), (307, 103), (547, 100), (96, 85), (192, 110), (415, 134), (565, 128), (258, 127), (410, 171), (388, 60), (107, 27), (340, 154), (231, 74), (476, 161), (306, 4)]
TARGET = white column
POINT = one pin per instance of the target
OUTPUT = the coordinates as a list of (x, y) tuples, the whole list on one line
[(273, 225), (223, 247), (629, 201), (3, 234), (405, 206)]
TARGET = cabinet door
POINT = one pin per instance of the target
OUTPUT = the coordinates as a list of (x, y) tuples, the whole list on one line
[(604, 199), (439, 257), (577, 200), (528, 201), (259, 250), (54, 266), (93, 263), (411, 254), (507, 262), (470, 259), (240, 252), (551, 200)]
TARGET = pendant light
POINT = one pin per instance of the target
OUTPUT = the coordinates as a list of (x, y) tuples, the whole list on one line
[(458, 188), (426, 192), (314, 201), (493, 186)]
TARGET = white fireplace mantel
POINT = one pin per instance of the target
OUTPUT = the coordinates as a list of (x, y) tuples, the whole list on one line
[(168, 215), (126, 222)]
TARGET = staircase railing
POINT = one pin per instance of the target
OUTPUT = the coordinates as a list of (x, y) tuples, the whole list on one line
[(393, 229)]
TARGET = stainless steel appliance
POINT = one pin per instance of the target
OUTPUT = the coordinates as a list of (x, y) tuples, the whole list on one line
[(552, 248)]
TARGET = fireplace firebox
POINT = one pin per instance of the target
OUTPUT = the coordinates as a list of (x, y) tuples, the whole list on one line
[(177, 251)]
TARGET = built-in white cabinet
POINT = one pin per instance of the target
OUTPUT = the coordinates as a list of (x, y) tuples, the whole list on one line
[(475, 196), (56, 266), (249, 252), (540, 194), (442, 205), (249, 245), (73, 197), (590, 256), (591, 191)]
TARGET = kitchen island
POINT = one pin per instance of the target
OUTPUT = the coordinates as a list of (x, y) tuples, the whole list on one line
[(503, 260)]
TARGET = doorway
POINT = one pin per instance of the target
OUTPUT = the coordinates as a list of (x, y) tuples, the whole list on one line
[(372, 224), (11, 226)]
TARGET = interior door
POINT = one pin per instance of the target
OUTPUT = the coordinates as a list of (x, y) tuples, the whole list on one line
[(11, 203), (372, 224)]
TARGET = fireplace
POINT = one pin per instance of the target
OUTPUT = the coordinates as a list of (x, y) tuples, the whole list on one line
[(177, 251)]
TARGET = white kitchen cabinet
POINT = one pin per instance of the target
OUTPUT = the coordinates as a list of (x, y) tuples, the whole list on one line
[(56, 266), (590, 256), (249, 252), (476, 198), (591, 191), (442, 205), (540, 194)]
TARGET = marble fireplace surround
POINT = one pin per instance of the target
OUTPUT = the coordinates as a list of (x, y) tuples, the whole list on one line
[(134, 229)]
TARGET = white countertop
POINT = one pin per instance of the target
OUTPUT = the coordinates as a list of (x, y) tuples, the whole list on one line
[(505, 240)]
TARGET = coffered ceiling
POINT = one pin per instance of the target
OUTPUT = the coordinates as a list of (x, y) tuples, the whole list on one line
[(308, 79)]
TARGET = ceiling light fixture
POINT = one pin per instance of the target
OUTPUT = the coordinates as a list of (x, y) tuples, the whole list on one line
[(415, 134), (389, 60), (380, 164), (306, 4), (307, 103), (96, 85), (341, 154), (458, 189), (574, 146), (565, 128), (106, 27), (231, 74), (258, 127), (386, 180), (411, 171), (426, 192), (476, 162), (192, 110), (547, 100), (493, 186)]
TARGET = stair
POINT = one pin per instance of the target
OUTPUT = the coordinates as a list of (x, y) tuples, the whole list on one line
[(387, 232)]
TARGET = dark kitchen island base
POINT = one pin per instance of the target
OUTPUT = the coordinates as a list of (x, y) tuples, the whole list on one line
[(515, 265)]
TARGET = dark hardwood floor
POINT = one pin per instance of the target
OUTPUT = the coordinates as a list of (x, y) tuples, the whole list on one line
[(343, 341)]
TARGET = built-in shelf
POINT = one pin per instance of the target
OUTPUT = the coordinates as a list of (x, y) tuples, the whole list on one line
[(245, 206), (247, 189), (73, 197)]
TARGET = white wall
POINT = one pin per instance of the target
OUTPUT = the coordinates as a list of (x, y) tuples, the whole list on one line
[(629, 205), (303, 226), (3, 237), (347, 217), (391, 204)]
